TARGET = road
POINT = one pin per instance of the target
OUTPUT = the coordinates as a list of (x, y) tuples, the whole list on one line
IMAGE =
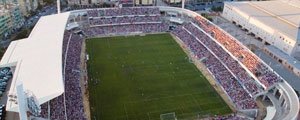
[(48, 10)]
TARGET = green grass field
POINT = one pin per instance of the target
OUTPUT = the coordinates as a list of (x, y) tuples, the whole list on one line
[(142, 77)]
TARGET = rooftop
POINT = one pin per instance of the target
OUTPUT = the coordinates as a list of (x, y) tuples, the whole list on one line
[(38, 60), (6, 9), (282, 15)]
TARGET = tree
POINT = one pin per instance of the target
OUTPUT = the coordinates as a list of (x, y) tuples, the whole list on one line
[(48, 2), (39, 6), (2, 51), (23, 34), (217, 9), (206, 16)]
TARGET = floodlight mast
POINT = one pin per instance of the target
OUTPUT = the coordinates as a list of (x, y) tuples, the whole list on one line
[(182, 4), (22, 102), (58, 6)]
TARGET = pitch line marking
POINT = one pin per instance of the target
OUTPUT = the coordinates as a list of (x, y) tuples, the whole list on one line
[(196, 102), (158, 98), (148, 116), (125, 111), (108, 43)]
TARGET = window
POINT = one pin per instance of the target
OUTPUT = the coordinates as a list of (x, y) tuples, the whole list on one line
[(277, 94), (280, 60), (282, 102)]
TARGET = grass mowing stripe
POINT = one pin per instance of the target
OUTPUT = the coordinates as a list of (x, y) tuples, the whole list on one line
[(141, 77)]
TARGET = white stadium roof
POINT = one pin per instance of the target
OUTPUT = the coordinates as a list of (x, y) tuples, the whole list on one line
[(38, 60), (281, 15), (37, 63)]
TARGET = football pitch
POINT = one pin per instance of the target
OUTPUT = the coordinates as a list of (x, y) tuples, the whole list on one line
[(144, 77)]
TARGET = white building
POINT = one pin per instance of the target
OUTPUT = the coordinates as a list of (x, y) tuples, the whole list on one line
[(37, 63), (27, 6), (275, 23)]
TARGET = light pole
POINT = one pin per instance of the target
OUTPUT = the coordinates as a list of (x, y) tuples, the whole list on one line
[(58, 6)]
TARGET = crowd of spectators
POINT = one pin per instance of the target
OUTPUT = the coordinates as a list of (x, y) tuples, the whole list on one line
[(231, 85), (123, 11), (237, 83), (57, 110), (264, 74), (73, 92), (126, 19), (127, 29), (44, 110), (72, 105), (229, 117), (56, 106), (241, 74)]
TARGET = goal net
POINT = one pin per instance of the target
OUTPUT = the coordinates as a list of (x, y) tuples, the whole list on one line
[(168, 116)]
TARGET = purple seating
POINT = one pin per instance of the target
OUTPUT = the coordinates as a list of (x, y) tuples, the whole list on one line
[(266, 76), (123, 11), (229, 117), (72, 103), (128, 20), (126, 29), (231, 85)]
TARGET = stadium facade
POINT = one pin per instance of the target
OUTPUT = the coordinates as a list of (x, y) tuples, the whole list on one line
[(40, 68), (274, 23), (37, 61)]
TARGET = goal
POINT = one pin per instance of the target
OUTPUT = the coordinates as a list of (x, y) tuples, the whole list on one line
[(168, 116)]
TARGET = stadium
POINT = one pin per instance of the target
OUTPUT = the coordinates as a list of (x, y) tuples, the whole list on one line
[(134, 63)]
